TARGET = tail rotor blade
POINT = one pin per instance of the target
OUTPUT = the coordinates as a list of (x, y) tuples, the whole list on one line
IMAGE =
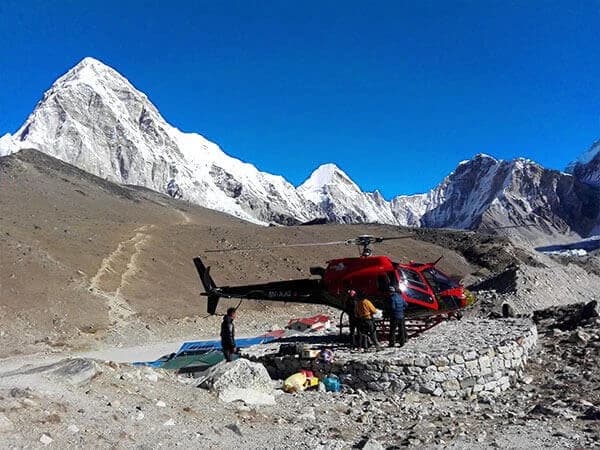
[(210, 287)]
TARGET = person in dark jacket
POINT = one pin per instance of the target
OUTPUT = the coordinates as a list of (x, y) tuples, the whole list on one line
[(397, 307), (228, 335), (349, 308)]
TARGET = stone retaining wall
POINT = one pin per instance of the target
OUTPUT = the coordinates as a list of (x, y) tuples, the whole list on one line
[(458, 358)]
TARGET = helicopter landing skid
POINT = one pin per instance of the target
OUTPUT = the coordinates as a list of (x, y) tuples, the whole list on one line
[(414, 326), (417, 325)]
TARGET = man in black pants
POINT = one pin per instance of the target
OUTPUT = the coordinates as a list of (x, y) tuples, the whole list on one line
[(366, 325), (349, 308), (397, 307), (228, 335)]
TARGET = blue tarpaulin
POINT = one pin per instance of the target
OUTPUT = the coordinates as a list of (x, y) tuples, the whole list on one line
[(196, 346), (200, 348)]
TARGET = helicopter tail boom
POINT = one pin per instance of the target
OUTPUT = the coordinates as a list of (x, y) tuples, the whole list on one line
[(210, 287), (293, 291)]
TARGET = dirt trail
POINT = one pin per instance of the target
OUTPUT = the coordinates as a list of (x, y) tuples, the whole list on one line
[(120, 267), (116, 271), (186, 218)]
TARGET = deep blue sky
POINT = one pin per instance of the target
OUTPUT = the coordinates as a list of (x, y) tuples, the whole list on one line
[(396, 93)]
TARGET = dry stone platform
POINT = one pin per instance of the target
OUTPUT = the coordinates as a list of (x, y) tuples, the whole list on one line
[(456, 358)]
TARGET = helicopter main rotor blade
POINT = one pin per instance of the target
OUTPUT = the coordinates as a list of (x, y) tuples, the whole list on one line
[(390, 238), (266, 247), (361, 240)]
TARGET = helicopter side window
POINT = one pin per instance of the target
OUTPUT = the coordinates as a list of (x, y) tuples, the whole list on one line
[(432, 281), (438, 280), (414, 287), (413, 278), (418, 295)]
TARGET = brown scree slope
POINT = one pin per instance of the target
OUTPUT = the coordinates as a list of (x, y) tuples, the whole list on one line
[(83, 260)]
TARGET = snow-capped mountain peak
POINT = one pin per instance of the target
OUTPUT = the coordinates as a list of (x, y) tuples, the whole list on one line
[(341, 200), (94, 118), (482, 156), (324, 175), (488, 193), (90, 69)]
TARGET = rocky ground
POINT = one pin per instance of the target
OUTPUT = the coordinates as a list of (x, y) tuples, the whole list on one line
[(88, 268), (83, 403)]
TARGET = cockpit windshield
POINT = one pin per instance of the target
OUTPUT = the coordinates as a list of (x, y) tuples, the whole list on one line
[(438, 280)]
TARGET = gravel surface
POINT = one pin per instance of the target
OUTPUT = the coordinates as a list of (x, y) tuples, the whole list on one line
[(91, 272), (86, 403)]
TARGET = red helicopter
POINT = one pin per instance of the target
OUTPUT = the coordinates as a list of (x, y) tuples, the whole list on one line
[(426, 289)]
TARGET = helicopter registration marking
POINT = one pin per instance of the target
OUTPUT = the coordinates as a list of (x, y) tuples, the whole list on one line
[(273, 294)]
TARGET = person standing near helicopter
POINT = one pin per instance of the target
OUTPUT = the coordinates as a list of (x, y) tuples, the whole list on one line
[(364, 314), (397, 306), (350, 310), (228, 335)]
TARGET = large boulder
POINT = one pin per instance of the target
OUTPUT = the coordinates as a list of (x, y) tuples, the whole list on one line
[(240, 380)]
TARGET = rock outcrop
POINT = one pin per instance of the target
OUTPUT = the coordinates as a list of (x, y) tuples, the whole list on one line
[(240, 380), (587, 167)]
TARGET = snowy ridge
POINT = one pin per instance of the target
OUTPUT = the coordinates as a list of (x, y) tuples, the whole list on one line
[(586, 156), (339, 199), (94, 118), (408, 209), (587, 167), (7, 145)]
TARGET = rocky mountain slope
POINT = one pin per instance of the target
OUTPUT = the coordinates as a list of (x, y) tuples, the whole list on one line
[(587, 167), (485, 193), (86, 263), (84, 260), (65, 402), (94, 118)]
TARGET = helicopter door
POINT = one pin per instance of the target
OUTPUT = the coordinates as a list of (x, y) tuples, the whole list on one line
[(382, 284), (385, 281), (416, 290)]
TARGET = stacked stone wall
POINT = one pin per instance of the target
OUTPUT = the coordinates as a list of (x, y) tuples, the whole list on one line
[(459, 358)]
